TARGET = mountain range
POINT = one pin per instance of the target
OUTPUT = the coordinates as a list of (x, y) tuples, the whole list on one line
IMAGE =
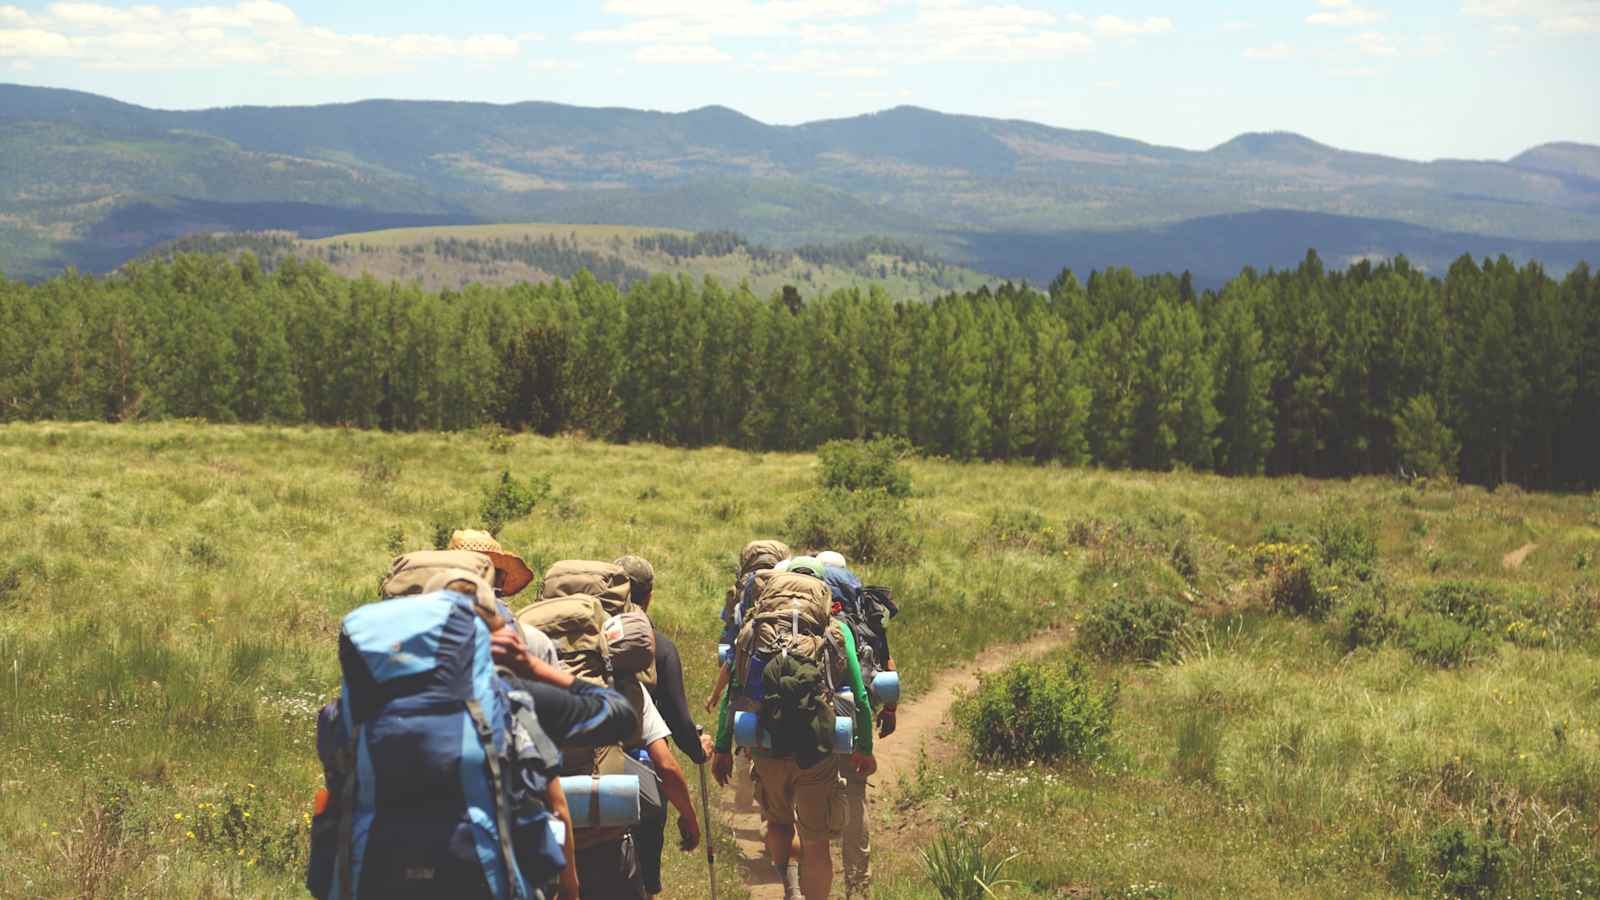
[(88, 181)]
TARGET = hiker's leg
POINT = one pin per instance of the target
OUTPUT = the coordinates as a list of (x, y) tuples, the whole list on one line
[(857, 846), (816, 869), (649, 837), (744, 793), (779, 837)]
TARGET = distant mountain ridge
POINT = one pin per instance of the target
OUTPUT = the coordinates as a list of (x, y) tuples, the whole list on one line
[(955, 183)]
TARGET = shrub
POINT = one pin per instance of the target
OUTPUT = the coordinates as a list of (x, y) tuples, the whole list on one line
[(1347, 541), (1473, 605), (871, 526), (380, 471), (1299, 589), (866, 465), (1442, 641), (1143, 629), (1467, 864), (1365, 621), (1023, 529), (441, 535), (959, 866), (1038, 712), (1199, 745), (510, 500)]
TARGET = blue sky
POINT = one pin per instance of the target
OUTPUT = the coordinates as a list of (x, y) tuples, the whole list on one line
[(1420, 79)]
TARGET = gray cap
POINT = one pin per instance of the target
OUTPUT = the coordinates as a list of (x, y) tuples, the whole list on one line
[(640, 572)]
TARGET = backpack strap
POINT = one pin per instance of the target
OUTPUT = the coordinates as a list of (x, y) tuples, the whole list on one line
[(501, 798), (344, 862)]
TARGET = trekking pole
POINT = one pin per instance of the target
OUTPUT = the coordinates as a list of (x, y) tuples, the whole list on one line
[(710, 835)]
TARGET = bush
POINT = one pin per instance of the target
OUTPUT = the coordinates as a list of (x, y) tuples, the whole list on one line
[(510, 500), (1442, 641), (1038, 712), (1474, 605), (1347, 542), (1143, 629), (1023, 529), (1299, 589), (866, 465), (1467, 864), (1199, 747), (1365, 621), (871, 526)]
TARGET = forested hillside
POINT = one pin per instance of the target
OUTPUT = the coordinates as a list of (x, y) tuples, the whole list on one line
[(92, 182), (455, 256), (1491, 372)]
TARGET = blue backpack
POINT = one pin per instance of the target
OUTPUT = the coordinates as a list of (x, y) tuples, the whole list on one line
[(428, 794)]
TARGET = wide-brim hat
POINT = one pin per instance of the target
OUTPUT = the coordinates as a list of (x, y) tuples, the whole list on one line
[(517, 573)]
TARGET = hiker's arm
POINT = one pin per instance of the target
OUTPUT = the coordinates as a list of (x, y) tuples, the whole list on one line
[(509, 650), (722, 756), (724, 675), (584, 714), (671, 702), (863, 729), (886, 715), (676, 789), (556, 799)]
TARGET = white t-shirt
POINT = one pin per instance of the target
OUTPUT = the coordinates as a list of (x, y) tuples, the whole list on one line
[(655, 727)]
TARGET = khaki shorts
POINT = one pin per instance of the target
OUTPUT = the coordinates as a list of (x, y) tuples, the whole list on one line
[(811, 799)]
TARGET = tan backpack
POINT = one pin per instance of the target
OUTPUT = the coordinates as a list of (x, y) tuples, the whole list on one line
[(791, 613), (606, 582), (420, 572), (756, 557)]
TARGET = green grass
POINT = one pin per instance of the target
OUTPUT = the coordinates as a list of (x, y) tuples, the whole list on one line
[(170, 596)]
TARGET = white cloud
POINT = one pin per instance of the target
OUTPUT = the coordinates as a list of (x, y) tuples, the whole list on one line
[(1551, 16), (1344, 12), (985, 18), (1116, 26), (681, 54), (552, 65), (1354, 72), (251, 32), (1238, 26), (1108, 85), (34, 42), (22, 65), (1278, 50), (1372, 43)]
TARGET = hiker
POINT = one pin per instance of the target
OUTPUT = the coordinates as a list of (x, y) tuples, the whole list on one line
[(789, 654), (867, 616), (757, 556), (602, 637), (667, 694), (393, 756)]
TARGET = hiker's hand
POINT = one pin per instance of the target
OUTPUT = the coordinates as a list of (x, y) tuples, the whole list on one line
[(713, 700), (722, 767), (866, 765), (543, 671), (688, 833), (886, 721), (707, 745), (508, 650)]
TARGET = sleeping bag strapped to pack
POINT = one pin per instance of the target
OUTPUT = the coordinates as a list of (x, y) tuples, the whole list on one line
[(431, 772), (784, 666), (868, 610), (756, 556)]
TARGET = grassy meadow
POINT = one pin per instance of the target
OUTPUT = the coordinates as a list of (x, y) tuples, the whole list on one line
[(170, 596)]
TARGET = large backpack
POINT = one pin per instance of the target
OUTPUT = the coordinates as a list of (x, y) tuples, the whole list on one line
[(430, 797), (412, 573), (786, 665), (867, 610), (756, 556), (577, 602)]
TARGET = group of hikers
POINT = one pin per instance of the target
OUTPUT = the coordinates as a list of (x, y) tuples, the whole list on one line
[(473, 752)]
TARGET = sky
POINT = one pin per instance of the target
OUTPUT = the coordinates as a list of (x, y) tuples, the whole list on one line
[(1421, 79)]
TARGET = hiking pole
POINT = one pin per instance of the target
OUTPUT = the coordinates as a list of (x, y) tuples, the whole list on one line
[(710, 836)]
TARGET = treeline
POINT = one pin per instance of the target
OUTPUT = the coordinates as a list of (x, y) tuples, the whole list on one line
[(1491, 372), (863, 255)]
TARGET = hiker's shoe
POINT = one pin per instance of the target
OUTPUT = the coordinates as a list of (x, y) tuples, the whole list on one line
[(791, 882)]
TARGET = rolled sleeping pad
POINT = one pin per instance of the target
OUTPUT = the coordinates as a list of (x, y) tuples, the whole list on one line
[(724, 653), (747, 732), (604, 802), (885, 688)]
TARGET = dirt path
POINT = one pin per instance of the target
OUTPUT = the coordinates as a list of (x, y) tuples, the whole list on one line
[(923, 726), (1513, 560)]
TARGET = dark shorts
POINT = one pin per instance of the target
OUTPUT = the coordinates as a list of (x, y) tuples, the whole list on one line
[(650, 838), (610, 872)]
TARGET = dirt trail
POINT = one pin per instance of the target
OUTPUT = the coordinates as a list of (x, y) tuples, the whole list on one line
[(924, 725), (1513, 560)]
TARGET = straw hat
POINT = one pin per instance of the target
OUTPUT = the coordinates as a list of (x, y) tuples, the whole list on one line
[(516, 572)]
